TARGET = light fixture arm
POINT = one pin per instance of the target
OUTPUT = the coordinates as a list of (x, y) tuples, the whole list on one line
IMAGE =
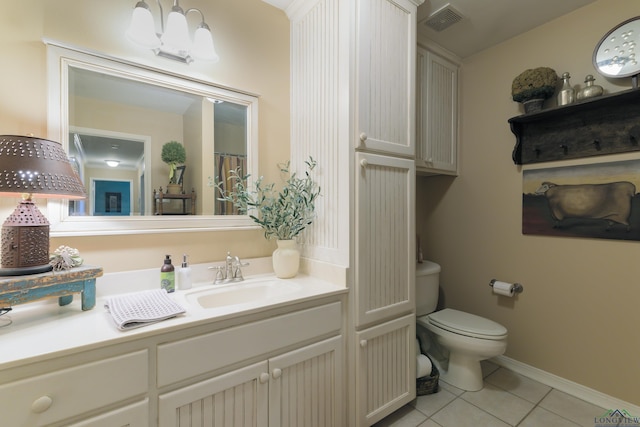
[(161, 16), (193, 9), (175, 4)]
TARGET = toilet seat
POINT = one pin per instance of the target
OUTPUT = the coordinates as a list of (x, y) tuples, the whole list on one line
[(467, 324)]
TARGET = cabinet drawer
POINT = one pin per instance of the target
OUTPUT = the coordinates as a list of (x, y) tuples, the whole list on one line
[(135, 415), (194, 356), (65, 393)]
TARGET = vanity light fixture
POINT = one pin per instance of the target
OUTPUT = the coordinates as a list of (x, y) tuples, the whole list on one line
[(112, 163), (34, 168), (173, 41)]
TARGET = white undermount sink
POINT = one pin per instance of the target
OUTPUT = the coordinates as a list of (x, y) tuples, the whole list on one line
[(258, 292)]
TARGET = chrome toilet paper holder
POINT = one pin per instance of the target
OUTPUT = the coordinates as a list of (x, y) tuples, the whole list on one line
[(516, 288)]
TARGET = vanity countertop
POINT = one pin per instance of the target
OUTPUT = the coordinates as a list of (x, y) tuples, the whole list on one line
[(44, 330)]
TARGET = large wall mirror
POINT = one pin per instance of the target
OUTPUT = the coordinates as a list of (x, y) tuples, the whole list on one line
[(114, 118)]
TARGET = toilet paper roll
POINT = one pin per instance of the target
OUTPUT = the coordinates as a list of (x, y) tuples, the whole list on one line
[(503, 288), (423, 366)]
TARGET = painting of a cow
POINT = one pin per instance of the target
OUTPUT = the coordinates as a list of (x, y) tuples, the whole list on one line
[(610, 202)]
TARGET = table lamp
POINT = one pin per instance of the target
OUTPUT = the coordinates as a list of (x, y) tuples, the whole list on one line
[(34, 168)]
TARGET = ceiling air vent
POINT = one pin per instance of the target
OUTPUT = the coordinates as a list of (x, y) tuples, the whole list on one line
[(443, 18)]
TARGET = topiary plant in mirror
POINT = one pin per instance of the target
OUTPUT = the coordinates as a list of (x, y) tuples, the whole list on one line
[(173, 154)]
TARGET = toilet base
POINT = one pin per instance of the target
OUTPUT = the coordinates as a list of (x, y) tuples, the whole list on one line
[(463, 372), (458, 357)]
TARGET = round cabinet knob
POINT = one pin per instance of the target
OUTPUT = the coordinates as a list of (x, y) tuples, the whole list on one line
[(264, 377), (363, 343), (276, 373), (364, 163), (363, 137), (41, 404)]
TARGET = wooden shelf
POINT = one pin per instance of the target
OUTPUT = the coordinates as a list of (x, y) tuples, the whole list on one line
[(607, 124), (63, 284), (159, 197)]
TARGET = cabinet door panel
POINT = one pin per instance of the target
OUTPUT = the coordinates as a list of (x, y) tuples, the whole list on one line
[(385, 371), (236, 399), (385, 245), (305, 387), (437, 114), (386, 75)]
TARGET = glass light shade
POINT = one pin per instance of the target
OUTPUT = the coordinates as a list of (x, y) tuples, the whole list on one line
[(176, 34), (203, 45), (112, 163), (142, 30)]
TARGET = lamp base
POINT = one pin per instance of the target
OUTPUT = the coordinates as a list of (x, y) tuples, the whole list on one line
[(25, 242), (23, 271)]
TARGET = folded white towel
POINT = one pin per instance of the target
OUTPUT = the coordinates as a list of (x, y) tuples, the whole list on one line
[(142, 308)]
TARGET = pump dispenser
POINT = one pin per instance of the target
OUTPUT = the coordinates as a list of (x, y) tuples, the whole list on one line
[(168, 275), (184, 274)]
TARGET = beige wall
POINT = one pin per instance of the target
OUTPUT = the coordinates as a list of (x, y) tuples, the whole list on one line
[(252, 39), (577, 317)]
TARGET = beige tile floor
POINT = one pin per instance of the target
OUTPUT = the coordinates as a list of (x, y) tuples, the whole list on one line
[(507, 399)]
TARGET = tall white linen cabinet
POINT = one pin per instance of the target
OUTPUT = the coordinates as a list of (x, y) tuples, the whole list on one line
[(353, 84)]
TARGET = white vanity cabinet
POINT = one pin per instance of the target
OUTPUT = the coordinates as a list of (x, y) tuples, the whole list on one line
[(300, 386), (274, 365), (52, 397), (436, 114)]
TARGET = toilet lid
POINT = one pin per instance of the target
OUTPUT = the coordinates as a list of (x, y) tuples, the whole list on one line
[(467, 324)]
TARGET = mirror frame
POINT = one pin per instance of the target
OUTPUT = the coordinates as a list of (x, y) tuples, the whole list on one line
[(604, 39), (59, 58)]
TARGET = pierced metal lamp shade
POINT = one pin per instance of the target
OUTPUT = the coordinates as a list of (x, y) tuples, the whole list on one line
[(32, 167)]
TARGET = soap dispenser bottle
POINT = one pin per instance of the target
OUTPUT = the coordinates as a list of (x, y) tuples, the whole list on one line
[(184, 274), (168, 275)]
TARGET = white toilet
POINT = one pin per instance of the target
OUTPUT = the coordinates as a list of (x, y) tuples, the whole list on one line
[(456, 341)]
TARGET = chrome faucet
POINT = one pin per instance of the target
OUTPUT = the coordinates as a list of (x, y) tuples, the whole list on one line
[(237, 273), (231, 271), (228, 270)]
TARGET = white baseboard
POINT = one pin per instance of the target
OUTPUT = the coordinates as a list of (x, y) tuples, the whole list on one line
[(574, 389)]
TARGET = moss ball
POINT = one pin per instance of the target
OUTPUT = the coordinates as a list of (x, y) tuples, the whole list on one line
[(536, 83)]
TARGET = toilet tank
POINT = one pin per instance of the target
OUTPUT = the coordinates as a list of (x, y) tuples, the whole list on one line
[(427, 287)]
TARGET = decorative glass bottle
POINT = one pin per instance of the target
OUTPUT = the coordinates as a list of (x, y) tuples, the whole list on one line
[(590, 90), (567, 93)]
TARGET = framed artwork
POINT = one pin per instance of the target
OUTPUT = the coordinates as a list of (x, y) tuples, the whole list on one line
[(113, 202), (596, 201), (180, 174)]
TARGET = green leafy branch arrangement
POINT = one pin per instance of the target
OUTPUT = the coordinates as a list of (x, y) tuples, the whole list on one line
[(282, 214)]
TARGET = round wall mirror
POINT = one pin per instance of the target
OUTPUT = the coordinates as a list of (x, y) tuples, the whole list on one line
[(616, 54)]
